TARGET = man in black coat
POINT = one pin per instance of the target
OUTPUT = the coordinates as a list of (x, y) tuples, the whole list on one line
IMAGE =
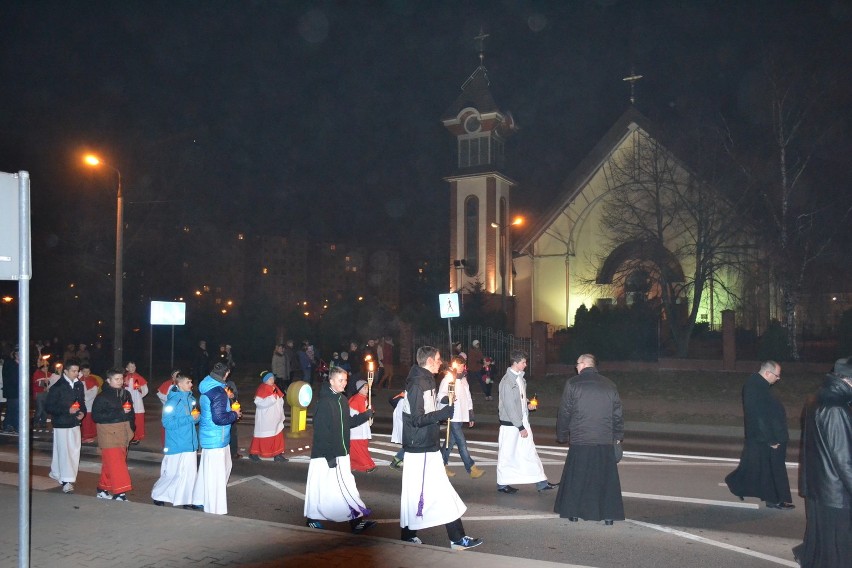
[(590, 418), (762, 472), (825, 479), (10, 391)]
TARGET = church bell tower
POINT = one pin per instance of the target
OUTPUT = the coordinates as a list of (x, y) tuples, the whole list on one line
[(480, 239)]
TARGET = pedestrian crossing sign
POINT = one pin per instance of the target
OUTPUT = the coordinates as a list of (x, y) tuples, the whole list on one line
[(449, 304)]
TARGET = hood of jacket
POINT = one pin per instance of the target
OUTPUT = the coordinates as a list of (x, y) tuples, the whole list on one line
[(834, 391), (175, 395), (209, 383)]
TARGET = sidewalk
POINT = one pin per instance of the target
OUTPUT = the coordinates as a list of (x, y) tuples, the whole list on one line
[(75, 530)]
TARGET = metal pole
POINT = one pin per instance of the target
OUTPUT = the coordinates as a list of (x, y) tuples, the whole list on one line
[(23, 372), (118, 332), (172, 359), (450, 337)]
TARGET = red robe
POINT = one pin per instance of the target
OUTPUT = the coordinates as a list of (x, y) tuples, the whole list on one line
[(359, 451), (268, 441), (88, 429)]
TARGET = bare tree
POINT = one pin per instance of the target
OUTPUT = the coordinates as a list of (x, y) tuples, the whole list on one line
[(797, 220), (661, 218)]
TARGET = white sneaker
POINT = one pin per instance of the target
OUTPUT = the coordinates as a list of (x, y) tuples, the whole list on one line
[(68, 487), (413, 540), (104, 494), (120, 497)]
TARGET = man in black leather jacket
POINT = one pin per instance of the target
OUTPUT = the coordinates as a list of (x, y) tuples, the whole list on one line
[(825, 476)]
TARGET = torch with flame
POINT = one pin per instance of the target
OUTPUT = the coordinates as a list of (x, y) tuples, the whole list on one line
[(451, 396), (371, 365)]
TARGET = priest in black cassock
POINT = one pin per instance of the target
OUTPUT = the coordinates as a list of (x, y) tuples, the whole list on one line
[(762, 472), (590, 419)]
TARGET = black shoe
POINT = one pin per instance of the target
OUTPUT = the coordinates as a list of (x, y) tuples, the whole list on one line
[(573, 519), (254, 457), (549, 487), (363, 525), (279, 458), (608, 522), (158, 503), (508, 489), (781, 505)]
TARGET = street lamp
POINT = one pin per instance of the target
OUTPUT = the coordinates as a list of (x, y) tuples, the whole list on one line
[(118, 332), (502, 228)]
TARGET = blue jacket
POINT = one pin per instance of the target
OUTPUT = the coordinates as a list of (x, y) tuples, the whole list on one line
[(216, 414), (181, 435)]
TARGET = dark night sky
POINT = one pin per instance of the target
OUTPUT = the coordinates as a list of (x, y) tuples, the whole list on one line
[(321, 118)]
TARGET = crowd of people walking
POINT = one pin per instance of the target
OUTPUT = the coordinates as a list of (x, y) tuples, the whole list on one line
[(84, 407)]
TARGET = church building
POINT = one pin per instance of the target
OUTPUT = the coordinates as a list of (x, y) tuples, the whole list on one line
[(564, 257)]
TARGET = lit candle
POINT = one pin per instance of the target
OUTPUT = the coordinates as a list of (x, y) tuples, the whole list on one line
[(236, 406), (75, 407), (126, 406), (534, 402), (195, 413)]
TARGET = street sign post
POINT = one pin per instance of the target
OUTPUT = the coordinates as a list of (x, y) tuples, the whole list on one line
[(16, 264), (450, 308)]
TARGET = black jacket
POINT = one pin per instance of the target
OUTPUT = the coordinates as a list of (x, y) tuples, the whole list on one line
[(10, 378), (826, 470), (765, 417), (60, 397), (332, 424), (590, 411), (421, 430), (108, 407)]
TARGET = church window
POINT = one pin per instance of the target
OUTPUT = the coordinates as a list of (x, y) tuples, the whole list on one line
[(471, 235), (474, 151)]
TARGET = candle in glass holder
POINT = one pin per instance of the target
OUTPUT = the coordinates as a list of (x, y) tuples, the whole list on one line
[(534, 402), (195, 413), (127, 406), (236, 406), (75, 407)]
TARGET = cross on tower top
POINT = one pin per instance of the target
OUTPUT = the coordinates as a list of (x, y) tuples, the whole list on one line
[(480, 44)]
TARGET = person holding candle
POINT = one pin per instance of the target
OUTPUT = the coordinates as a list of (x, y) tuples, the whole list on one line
[(331, 493), (217, 419), (180, 467), (462, 414), (268, 440), (41, 379), (112, 412), (517, 458), (66, 403), (137, 386), (428, 498)]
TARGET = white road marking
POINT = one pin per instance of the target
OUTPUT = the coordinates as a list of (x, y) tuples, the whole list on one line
[(272, 482), (716, 543), (714, 502)]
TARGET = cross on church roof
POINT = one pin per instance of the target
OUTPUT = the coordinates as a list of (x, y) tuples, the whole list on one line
[(632, 78)]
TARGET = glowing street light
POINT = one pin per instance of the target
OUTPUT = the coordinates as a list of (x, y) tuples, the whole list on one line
[(117, 357), (502, 228)]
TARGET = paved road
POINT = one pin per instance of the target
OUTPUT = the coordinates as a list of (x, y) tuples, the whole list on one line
[(678, 514)]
